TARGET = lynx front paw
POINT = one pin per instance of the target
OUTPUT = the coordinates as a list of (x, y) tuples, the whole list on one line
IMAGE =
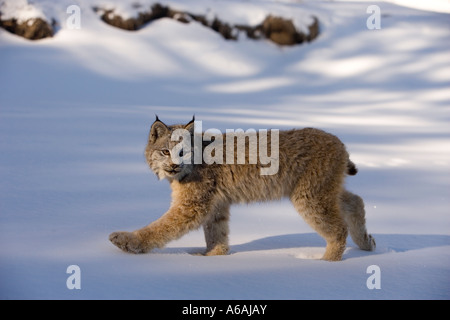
[(127, 241), (218, 250)]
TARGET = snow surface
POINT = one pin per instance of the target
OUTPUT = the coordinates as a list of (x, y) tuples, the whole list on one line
[(20, 10), (75, 111)]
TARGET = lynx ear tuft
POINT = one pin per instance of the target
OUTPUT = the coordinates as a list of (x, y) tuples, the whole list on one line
[(191, 125), (157, 130)]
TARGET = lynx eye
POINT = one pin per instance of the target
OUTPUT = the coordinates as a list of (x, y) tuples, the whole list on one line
[(165, 152)]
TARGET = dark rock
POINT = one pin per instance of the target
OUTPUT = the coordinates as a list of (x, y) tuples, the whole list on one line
[(157, 12), (224, 29), (33, 29), (279, 30), (313, 30)]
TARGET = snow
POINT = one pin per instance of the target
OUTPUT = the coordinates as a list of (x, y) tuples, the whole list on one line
[(75, 111), (21, 10)]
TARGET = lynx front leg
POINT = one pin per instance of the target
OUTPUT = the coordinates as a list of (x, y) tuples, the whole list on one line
[(172, 225), (216, 232)]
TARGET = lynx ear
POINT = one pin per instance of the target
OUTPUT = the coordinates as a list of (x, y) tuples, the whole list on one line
[(157, 130), (191, 125)]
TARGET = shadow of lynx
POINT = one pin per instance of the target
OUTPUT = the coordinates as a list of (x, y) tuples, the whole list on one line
[(385, 243)]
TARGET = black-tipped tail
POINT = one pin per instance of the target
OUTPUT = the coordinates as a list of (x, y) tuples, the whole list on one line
[(351, 168)]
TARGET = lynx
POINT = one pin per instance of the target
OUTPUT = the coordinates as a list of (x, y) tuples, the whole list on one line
[(312, 168)]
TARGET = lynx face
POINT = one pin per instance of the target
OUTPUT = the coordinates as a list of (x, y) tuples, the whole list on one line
[(160, 151)]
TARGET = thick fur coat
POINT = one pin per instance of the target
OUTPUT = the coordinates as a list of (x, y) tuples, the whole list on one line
[(311, 169)]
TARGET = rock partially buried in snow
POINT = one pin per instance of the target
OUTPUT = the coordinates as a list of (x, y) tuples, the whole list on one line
[(32, 29), (279, 30), (25, 19), (28, 21), (157, 11), (283, 32)]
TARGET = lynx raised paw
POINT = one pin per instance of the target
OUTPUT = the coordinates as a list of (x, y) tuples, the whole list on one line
[(127, 241)]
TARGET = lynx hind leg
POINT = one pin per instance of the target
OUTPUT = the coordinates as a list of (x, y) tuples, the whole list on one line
[(328, 223), (216, 231), (352, 209)]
